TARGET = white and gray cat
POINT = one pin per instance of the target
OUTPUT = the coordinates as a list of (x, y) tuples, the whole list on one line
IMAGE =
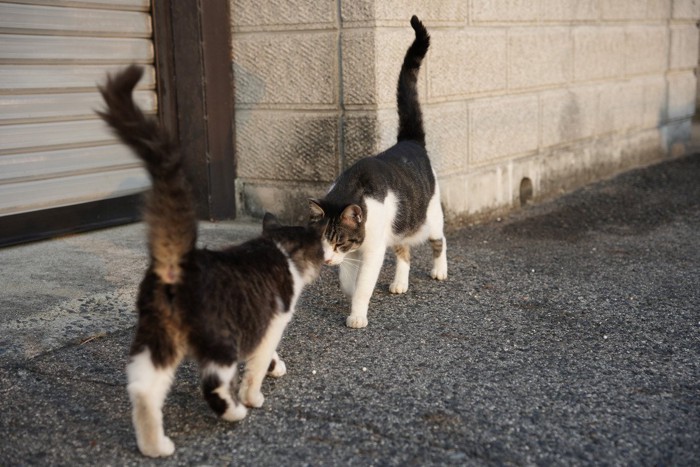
[(388, 200), (220, 307)]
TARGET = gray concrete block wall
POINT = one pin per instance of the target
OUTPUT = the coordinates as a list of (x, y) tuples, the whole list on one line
[(599, 52), (562, 92), (288, 128)]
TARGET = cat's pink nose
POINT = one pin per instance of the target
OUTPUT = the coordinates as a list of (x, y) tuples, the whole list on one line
[(328, 261)]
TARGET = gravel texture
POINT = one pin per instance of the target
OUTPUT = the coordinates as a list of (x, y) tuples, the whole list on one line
[(568, 333)]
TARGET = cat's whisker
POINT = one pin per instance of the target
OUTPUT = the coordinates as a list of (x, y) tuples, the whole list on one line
[(355, 262), (354, 266)]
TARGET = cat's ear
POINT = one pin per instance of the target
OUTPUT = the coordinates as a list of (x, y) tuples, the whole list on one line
[(352, 216), (270, 222), (315, 210)]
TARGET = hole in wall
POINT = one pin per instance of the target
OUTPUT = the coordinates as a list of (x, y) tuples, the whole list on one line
[(525, 191)]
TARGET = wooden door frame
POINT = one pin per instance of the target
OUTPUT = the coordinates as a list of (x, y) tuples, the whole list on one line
[(192, 41)]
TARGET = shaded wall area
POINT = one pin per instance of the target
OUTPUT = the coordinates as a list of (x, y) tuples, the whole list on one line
[(552, 94)]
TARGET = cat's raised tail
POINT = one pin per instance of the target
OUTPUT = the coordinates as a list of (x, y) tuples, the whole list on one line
[(410, 115), (168, 210)]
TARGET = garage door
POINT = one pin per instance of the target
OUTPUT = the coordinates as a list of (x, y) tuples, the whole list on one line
[(54, 152)]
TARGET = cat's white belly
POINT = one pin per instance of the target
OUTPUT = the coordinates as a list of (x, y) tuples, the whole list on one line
[(416, 238), (423, 232), (380, 219)]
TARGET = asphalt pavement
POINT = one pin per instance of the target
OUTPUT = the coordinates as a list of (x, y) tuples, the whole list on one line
[(567, 333)]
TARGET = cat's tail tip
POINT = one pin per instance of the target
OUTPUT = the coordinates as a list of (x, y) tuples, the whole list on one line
[(149, 141), (419, 28), (121, 84), (120, 111)]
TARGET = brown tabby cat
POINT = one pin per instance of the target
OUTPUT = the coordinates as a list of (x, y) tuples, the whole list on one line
[(221, 307)]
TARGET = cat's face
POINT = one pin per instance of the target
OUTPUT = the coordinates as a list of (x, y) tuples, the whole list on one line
[(343, 229)]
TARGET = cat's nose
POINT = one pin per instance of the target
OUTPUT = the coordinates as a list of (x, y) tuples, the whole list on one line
[(328, 261)]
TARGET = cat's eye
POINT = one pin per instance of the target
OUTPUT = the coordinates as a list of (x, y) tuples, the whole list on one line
[(341, 243), (345, 247)]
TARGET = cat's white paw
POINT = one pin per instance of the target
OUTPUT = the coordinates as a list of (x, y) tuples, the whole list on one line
[(165, 447), (439, 272), (280, 369), (356, 321), (251, 398), (398, 287), (235, 413)]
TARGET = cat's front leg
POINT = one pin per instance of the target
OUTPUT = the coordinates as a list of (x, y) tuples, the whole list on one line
[(403, 265), (366, 281)]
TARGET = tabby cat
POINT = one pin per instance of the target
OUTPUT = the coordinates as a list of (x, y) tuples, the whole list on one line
[(220, 307), (391, 199)]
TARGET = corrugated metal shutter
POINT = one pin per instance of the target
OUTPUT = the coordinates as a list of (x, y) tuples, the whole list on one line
[(54, 151)]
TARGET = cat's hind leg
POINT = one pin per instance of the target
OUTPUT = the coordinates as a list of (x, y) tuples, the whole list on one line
[(403, 265), (257, 362), (435, 220), (439, 247), (277, 367), (148, 384), (216, 387)]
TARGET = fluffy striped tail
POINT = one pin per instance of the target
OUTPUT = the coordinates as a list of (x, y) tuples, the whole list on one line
[(410, 115), (168, 210)]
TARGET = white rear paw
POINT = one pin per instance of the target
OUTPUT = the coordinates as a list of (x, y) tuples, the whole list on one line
[(439, 272), (356, 322), (280, 369), (398, 287), (165, 447), (235, 413)]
